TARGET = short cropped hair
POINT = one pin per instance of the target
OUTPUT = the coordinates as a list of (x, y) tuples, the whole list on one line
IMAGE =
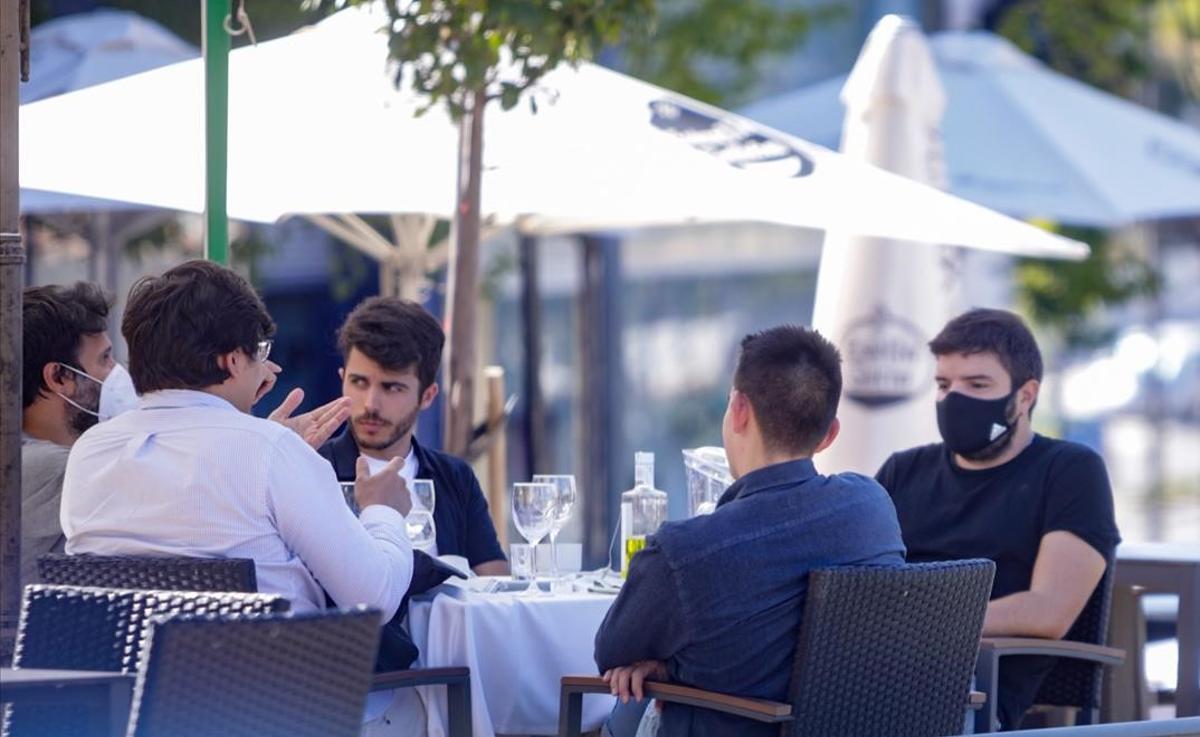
[(178, 324), (397, 334), (55, 320), (993, 331), (792, 377)]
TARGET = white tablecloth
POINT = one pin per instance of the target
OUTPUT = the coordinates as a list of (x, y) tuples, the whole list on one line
[(517, 648)]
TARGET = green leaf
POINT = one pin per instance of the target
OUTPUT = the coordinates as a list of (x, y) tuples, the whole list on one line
[(450, 47)]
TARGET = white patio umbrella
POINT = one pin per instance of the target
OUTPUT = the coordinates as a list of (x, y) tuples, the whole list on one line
[(85, 49), (316, 126), (1027, 141), (880, 300)]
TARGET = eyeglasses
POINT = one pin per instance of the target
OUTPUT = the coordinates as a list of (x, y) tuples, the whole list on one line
[(263, 350)]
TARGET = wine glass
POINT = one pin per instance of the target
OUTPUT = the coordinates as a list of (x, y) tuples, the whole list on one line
[(422, 494), (534, 508), (422, 531), (564, 486), (348, 494)]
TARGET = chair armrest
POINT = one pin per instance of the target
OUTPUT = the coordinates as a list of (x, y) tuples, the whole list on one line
[(760, 710), (419, 677), (1002, 646), (976, 700)]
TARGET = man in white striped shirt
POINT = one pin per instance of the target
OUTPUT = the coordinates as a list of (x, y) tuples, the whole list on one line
[(192, 472)]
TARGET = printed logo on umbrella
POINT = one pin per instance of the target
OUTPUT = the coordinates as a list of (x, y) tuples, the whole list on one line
[(734, 143), (885, 359)]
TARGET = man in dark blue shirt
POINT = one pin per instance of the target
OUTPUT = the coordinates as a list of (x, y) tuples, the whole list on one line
[(391, 349), (716, 601)]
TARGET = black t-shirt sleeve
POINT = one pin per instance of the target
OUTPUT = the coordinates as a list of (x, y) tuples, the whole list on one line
[(1079, 500), (886, 475)]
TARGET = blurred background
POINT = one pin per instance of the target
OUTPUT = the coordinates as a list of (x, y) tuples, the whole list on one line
[(636, 331)]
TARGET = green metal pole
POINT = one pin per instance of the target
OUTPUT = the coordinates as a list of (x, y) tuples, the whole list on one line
[(216, 130)]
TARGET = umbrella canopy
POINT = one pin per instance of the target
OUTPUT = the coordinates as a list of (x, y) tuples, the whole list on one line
[(317, 126), (84, 49), (1027, 141), (880, 301)]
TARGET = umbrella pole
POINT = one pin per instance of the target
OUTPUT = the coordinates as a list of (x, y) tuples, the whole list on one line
[(216, 129), (13, 32)]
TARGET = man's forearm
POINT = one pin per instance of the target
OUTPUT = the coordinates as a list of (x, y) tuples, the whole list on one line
[(643, 622), (497, 567), (1025, 614), (1065, 573)]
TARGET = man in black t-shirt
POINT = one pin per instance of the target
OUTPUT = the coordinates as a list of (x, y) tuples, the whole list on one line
[(1042, 509)]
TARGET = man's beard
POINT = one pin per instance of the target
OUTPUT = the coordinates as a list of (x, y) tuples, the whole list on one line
[(78, 420), (403, 427), (997, 447)]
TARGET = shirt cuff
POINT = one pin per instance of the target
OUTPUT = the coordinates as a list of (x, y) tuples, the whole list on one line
[(382, 513)]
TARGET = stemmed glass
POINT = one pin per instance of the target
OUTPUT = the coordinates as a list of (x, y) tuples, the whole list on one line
[(534, 509), (564, 486), (421, 529), (418, 524), (422, 494)]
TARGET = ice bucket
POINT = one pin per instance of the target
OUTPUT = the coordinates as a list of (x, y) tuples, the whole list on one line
[(708, 477)]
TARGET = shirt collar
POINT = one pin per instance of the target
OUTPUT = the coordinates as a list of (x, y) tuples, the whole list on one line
[(178, 398), (787, 473)]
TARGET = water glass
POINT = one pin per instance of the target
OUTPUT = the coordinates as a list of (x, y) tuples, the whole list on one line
[(520, 559), (564, 487), (534, 510)]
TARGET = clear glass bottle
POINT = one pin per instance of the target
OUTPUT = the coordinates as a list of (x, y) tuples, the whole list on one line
[(643, 509)]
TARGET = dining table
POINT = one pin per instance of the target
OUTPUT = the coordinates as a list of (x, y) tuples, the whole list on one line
[(1171, 568), (518, 647)]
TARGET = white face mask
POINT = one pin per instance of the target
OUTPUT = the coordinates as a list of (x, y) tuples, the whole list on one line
[(117, 394)]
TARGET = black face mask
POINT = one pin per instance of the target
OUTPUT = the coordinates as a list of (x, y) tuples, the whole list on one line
[(969, 425)]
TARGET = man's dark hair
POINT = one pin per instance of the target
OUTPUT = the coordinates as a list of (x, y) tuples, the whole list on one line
[(793, 379), (396, 334), (993, 331), (177, 325), (55, 320)]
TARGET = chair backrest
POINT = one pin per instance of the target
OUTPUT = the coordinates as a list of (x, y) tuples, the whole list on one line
[(1075, 682), (77, 628), (889, 650), (83, 628), (264, 676), (159, 574)]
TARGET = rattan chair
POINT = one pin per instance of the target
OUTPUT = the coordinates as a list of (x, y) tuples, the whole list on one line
[(1077, 678), (283, 675), (879, 651), (162, 574), (237, 574), (76, 628)]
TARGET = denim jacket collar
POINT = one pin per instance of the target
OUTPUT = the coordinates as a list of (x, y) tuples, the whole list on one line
[(769, 477)]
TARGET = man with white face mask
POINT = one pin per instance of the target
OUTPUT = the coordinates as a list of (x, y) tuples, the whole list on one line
[(69, 382)]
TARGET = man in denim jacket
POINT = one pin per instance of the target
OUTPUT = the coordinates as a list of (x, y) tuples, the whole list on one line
[(715, 602)]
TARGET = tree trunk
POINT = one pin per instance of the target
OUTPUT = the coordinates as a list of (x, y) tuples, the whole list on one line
[(12, 272), (463, 289)]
